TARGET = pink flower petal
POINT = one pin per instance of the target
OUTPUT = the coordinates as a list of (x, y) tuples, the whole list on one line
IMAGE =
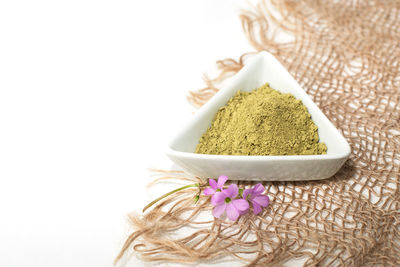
[(256, 208), (247, 192), (261, 200), (219, 210), (232, 212), (218, 198), (243, 212), (212, 183), (258, 189), (208, 191), (221, 181), (241, 204), (232, 191)]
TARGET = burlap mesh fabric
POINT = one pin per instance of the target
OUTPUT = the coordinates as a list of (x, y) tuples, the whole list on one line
[(346, 55)]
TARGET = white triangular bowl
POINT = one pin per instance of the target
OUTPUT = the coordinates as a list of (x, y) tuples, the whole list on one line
[(262, 68)]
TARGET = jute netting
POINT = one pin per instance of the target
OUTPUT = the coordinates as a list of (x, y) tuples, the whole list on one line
[(346, 55)]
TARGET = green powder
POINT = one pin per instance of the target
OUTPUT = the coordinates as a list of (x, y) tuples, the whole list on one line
[(262, 122)]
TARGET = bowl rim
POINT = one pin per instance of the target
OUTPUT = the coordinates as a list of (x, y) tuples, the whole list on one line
[(193, 155)]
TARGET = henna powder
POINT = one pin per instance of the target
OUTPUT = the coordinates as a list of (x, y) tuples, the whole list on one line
[(262, 122)]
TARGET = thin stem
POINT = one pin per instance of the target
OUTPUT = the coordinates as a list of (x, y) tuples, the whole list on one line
[(169, 193)]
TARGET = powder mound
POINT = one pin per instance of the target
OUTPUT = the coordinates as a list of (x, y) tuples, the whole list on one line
[(262, 122)]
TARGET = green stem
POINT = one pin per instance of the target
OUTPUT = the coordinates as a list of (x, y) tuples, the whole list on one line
[(169, 193)]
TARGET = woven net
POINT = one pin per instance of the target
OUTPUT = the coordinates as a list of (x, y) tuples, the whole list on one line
[(346, 55)]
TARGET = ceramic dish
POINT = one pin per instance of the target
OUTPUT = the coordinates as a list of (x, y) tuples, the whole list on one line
[(261, 69)]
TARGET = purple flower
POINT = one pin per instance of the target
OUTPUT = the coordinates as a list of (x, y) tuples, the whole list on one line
[(255, 196), (224, 201), (215, 186)]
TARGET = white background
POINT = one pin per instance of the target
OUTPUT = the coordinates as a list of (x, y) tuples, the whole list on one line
[(90, 94)]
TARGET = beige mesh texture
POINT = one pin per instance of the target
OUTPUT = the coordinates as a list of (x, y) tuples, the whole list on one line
[(346, 55)]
